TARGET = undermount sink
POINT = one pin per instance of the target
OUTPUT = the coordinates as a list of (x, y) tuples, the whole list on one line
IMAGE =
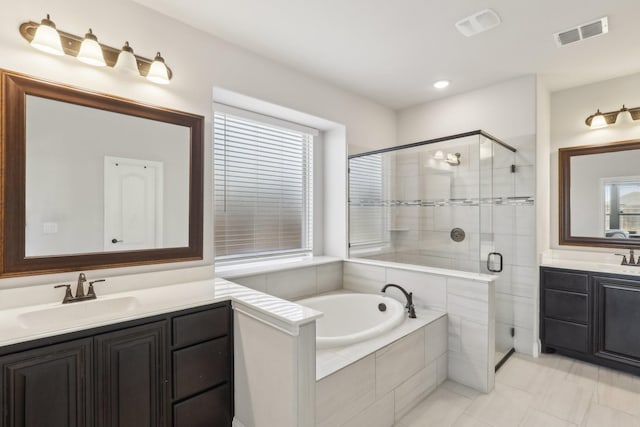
[(69, 315)]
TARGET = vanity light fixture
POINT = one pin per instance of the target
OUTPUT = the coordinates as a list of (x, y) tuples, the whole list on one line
[(158, 73), (90, 51), (624, 115), (87, 49), (126, 62), (46, 38), (598, 121)]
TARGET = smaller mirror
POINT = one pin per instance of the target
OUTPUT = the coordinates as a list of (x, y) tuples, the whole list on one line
[(600, 195)]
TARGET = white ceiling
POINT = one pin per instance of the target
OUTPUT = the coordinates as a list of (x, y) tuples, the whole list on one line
[(392, 51)]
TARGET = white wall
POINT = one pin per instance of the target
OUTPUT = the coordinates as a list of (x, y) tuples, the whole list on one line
[(504, 110), (200, 62), (508, 111), (569, 109)]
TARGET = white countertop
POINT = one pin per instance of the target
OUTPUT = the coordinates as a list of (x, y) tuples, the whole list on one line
[(148, 302), (479, 277), (585, 261)]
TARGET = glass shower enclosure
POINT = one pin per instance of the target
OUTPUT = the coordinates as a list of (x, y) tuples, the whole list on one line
[(438, 203)]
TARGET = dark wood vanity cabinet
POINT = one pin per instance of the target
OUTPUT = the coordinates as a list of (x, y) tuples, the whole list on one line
[(131, 374), (169, 370), (565, 320), (202, 369), (591, 316), (617, 319), (49, 386)]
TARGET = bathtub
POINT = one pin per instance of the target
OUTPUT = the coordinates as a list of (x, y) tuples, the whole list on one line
[(352, 317)]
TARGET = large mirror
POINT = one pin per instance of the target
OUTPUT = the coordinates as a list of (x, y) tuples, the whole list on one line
[(600, 195), (95, 181)]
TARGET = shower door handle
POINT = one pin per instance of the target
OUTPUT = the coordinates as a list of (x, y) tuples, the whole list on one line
[(490, 264)]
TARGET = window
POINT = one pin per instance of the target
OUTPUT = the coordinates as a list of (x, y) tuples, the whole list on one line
[(263, 185), (622, 207), (366, 210)]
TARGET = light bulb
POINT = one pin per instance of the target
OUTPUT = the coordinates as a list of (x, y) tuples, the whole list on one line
[(598, 121), (439, 155), (158, 72), (624, 116), (90, 51), (47, 38), (127, 62)]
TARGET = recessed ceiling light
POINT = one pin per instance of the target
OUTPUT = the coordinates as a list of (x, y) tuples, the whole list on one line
[(441, 84)]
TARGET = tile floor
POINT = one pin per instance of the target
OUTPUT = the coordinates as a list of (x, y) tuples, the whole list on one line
[(550, 391)]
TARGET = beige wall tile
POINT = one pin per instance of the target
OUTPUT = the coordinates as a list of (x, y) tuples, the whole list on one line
[(397, 362), (329, 277), (292, 284), (436, 337), (342, 395), (415, 389), (362, 277), (380, 414)]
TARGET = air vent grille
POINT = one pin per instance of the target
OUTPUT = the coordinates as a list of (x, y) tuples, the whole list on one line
[(582, 32), (478, 22)]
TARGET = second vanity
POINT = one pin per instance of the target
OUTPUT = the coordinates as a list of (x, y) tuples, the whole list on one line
[(160, 356), (591, 312)]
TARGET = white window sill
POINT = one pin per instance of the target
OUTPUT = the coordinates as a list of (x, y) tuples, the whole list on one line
[(230, 272)]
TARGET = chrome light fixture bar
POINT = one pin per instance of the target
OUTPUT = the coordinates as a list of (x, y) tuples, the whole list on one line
[(624, 115), (71, 45)]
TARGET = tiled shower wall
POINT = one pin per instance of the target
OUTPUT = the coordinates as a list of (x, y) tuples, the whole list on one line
[(295, 283)]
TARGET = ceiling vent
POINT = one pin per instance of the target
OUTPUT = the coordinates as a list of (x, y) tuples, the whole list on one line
[(478, 23), (582, 32)]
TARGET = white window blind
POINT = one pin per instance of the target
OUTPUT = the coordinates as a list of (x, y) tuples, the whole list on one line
[(263, 184), (366, 210)]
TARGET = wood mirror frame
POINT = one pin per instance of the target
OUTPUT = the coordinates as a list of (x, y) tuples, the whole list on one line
[(564, 180), (13, 262)]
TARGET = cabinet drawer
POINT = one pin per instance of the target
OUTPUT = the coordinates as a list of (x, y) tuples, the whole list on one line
[(205, 410), (201, 326), (575, 282), (566, 335), (200, 367), (568, 306)]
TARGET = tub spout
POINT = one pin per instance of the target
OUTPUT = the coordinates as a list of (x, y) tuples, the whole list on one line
[(409, 295)]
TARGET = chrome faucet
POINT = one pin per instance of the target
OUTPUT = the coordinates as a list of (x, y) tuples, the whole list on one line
[(409, 295), (80, 295)]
